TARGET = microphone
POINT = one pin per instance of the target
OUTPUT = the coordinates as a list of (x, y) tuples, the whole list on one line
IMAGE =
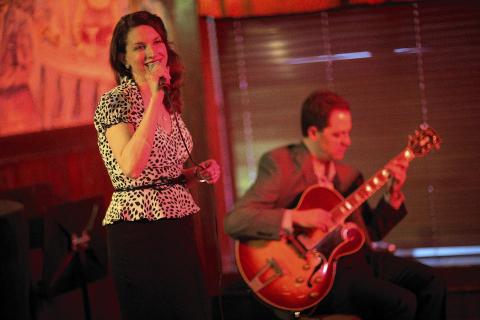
[(165, 87)]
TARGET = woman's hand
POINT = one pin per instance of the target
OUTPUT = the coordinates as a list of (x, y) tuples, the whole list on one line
[(208, 171), (157, 76)]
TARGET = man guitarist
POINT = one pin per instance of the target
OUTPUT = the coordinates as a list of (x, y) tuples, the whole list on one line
[(370, 284)]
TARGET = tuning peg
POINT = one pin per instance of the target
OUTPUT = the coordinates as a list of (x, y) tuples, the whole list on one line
[(424, 126)]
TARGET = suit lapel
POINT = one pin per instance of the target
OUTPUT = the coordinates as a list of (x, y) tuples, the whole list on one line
[(301, 176), (303, 162), (344, 181)]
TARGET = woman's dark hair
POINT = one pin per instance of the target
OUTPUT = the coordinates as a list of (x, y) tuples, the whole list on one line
[(318, 106), (118, 45)]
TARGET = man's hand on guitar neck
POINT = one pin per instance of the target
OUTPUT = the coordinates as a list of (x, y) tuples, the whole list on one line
[(398, 172), (310, 219)]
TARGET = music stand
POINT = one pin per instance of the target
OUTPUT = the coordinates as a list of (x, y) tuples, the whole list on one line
[(74, 248)]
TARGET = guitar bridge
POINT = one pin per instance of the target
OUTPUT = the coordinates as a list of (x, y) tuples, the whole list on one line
[(257, 284)]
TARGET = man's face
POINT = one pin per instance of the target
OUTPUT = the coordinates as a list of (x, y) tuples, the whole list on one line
[(333, 141)]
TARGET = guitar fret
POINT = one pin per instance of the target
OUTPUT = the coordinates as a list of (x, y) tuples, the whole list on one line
[(368, 188), (363, 193), (348, 205), (355, 204), (407, 154)]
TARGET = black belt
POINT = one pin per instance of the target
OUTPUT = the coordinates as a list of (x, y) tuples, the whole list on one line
[(163, 184)]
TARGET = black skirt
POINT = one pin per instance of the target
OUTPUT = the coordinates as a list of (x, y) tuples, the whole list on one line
[(156, 270)]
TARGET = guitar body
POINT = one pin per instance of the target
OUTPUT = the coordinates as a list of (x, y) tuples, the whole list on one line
[(297, 271)]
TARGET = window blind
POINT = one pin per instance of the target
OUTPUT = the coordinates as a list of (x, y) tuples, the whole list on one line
[(399, 65)]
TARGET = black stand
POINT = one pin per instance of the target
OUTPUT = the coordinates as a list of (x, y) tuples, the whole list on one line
[(75, 249)]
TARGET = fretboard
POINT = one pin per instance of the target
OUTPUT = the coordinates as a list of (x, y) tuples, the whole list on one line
[(366, 190)]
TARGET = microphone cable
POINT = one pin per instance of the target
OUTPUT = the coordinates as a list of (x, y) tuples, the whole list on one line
[(162, 85), (215, 220)]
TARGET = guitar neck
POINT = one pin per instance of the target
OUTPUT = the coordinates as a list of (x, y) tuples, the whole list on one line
[(367, 189)]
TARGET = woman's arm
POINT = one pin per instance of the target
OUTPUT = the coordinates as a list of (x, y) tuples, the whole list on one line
[(131, 148)]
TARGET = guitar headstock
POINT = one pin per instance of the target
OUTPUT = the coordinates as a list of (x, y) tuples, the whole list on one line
[(423, 140)]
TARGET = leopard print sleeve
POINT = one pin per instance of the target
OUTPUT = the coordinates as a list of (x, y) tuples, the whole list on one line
[(111, 110)]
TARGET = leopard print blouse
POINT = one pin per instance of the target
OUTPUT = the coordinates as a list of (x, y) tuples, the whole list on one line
[(124, 104)]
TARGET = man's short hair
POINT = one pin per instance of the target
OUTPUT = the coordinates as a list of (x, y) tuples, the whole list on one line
[(318, 106)]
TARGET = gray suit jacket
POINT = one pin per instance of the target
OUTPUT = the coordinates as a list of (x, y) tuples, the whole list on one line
[(283, 174)]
